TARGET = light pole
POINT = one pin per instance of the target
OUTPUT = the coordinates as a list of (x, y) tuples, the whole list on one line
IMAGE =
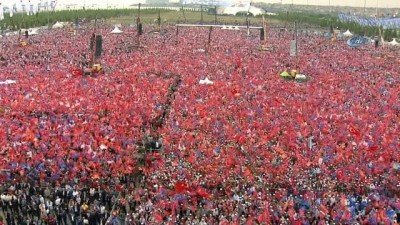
[(365, 5), (329, 5), (201, 11)]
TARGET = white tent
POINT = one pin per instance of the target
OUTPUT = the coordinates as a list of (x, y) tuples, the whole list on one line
[(394, 42), (32, 32), (8, 82), (1, 12), (116, 30), (347, 34), (206, 81), (58, 25), (300, 77)]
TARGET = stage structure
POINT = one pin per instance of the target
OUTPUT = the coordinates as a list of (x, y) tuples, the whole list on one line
[(95, 50)]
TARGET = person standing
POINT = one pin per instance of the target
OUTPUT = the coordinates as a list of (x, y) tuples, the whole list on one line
[(9, 219)]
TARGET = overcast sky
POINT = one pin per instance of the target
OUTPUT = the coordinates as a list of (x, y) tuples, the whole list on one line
[(359, 3)]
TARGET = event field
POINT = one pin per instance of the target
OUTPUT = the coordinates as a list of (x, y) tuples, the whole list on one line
[(248, 148)]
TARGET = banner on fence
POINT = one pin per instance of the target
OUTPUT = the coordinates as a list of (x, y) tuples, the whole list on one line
[(357, 41), (387, 23)]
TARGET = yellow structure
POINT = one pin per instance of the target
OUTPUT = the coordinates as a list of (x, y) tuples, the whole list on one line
[(293, 73), (97, 68)]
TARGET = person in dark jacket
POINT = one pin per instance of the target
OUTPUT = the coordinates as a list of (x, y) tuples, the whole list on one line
[(9, 219)]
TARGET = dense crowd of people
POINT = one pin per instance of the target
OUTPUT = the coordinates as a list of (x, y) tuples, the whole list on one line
[(250, 148)]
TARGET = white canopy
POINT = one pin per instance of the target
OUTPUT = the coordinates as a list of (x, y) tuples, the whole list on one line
[(8, 82), (58, 25), (33, 32), (394, 42), (347, 34), (206, 81), (116, 30), (300, 77)]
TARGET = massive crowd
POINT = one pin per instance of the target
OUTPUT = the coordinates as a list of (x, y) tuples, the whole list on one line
[(249, 149)]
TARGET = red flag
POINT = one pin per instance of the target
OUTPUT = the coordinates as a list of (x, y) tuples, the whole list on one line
[(264, 218), (230, 161), (158, 218), (119, 188), (76, 72), (238, 62), (203, 193), (96, 176), (250, 221), (354, 131), (241, 139), (247, 172), (373, 149), (181, 187)]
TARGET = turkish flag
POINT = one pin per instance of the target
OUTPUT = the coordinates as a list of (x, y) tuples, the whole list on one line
[(264, 218), (373, 149), (181, 187), (354, 131), (96, 176), (247, 172), (203, 193), (77, 72), (158, 218), (242, 140), (230, 161), (119, 188)]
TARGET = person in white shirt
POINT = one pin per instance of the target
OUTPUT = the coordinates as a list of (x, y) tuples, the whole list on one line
[(57, 202)]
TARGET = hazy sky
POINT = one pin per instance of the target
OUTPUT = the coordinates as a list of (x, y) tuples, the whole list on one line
[(359, 3)]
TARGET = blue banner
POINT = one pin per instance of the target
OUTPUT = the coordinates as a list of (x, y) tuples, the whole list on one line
[(357, 41), (386, 23)]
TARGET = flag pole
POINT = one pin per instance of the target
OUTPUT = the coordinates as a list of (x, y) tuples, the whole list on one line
[(264, 25), (159, 21), (139, 27), (209, 35), (138, 18), (365, 5), (183, 13), (201, 11), (247, 20), (215, 15)]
